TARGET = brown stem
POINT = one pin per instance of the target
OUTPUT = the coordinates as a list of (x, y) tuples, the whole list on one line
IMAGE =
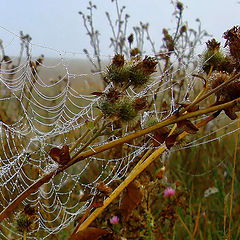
[(171, 120), (133, 174), (25, 194)]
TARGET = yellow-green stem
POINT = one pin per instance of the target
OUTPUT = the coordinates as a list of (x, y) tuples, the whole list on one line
[(135, 172), (25, 235)]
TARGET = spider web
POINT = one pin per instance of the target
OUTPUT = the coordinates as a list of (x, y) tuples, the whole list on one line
[(39, 113)]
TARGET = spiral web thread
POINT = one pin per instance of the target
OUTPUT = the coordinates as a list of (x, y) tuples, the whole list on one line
[(37, 114)]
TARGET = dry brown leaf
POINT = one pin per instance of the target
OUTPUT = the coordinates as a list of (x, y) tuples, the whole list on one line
[(160, 135), (103, 188), (90, 233), (61, 156), (188, 126), (131, 198), (171, 140)]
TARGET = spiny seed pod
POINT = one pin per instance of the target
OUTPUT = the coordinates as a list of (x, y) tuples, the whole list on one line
[(123, 109), (127, 111), (213, 45), (108, 108), (214, 57), (117, 75), (140, 73)]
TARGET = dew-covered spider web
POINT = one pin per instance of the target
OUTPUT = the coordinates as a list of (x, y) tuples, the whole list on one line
[(48, 104)]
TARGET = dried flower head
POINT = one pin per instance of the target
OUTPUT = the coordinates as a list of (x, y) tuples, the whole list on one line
[(183, 29), (113, 94), (118, 60), (180, 6), (130, 39), (168, 40), (227, 93), (123, 109), (232, 37), (26, 220), (169, 192), (134, 52), (213, 45)]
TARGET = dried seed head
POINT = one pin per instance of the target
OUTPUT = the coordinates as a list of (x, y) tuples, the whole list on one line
[(228, 92), (149, 64), (134, 52), (183, 29), (29, 210), (25, 221), (168, 40), (130, 38), (118, 60), (213, 45), (179, 6), (232, 37), (215, 58)]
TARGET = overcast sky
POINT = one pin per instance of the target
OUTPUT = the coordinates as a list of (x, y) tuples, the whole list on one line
[(57, 24)]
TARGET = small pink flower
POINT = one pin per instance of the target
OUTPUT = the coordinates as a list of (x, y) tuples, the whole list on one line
[(114, 220), (169, 192)]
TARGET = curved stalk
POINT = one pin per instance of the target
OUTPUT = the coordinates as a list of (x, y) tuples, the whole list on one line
[(171, 120)]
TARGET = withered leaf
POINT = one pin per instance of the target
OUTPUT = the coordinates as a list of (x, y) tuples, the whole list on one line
[(171, 140), (97, 93), (131, 199), (61, 156), (98, 204), (90, 233), (103, 188), (160, 135), (188, 126), (231, 111)]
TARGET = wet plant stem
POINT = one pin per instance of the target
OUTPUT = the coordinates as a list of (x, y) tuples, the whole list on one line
[(171, 120), (96, 134), (133, 174), (84, 135)]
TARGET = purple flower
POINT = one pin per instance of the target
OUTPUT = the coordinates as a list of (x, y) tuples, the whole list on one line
[(169, 192), (114, 220)]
